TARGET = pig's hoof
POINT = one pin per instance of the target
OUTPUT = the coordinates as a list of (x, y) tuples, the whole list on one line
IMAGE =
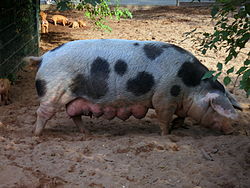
[(37, 132), (88, 136), (164, 133), (228, 132), (7, 102), (84, 131), (87, 133)]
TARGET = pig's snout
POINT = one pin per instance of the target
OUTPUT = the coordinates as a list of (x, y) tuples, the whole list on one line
[(223, 126)]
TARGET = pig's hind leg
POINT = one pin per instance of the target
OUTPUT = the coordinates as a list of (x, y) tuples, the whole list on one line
[(75, 109), (80, 125), (44, 113)]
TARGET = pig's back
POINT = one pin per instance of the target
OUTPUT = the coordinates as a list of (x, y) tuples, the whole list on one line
[(102, 70)]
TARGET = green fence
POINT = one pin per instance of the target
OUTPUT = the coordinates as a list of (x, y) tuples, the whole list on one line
[(18, 34)]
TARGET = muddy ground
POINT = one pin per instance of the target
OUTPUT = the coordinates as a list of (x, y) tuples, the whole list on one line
[(121, 154)]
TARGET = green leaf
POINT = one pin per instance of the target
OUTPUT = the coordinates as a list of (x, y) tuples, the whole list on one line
[(219, 66), (227, 80), (205, 34), (216, 39), (248, 93), (247, 62), (87, 14), (223, 25), (225, 34), (230, 70), (245, 37), (247, 7), (246, 75), (233, 52), (63, 5), (242, 69), (204, 51), (228, 58), (245, 84), (216, 76), (208, 74)]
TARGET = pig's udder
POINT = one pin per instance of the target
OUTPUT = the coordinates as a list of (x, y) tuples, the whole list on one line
[(81, 106)]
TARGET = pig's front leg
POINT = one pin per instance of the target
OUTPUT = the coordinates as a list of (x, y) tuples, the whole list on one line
[(79, 123), (6, 98), (165, 116), (178, 123), (165, 110), (1, 99)]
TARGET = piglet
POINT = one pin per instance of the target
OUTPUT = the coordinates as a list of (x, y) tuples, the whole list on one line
[(4, 91)]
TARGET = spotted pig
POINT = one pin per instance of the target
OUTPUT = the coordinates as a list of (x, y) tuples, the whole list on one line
[(119, 78)]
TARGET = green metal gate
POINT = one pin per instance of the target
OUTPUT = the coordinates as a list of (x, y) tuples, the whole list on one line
[(18, 34)]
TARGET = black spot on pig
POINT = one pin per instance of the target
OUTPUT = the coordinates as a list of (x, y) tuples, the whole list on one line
[(175, 90), (41, 87), (192, 72), (178, 48), (78, 86), (57, 47), (95, 85), (100, 68), (165, 45), (152, 50), (136, 44), (141, 84), (216, 85), (121, 67), (82, 86), (39, 63)]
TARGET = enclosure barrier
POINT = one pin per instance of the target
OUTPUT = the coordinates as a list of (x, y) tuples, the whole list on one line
[(18, 34)]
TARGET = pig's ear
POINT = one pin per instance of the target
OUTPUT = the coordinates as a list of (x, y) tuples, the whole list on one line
[(234, 102), (222, 105)]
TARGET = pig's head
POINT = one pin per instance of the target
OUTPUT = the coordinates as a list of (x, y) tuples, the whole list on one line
[(209, 102), (215, 110)]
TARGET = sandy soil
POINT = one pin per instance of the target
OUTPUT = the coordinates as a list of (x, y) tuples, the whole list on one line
[(121, 154)]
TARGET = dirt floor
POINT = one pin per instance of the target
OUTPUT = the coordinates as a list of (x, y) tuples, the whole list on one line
[(121, 154)]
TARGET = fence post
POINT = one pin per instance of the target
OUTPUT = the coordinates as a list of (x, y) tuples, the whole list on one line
[(177, 2)]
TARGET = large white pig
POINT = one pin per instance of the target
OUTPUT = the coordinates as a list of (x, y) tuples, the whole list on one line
[(119, 78)]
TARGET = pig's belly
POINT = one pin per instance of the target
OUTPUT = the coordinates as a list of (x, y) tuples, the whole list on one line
[(81, 106)]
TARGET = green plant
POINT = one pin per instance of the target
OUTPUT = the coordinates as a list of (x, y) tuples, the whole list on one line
[(63, 5), (230, 35), (101, 11), (119, 12), (97, 10)]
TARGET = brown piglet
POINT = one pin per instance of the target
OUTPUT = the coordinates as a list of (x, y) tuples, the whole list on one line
[(4, 91), (60, 19)]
